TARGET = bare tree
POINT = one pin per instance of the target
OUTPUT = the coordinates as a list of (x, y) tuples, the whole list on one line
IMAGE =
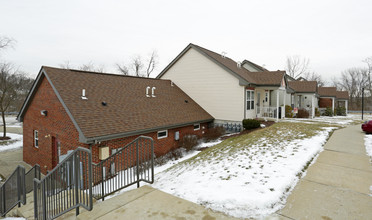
[(6, 42), (313, 76), (122, 68), (368, 75), (297, 66), (138, 66), (354, 80), (8, 85), (152, 63), (92, 67), (65, 65)]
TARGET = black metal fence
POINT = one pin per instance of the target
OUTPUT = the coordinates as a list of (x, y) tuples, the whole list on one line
[(13, 191), (129, 165), (68, 186)]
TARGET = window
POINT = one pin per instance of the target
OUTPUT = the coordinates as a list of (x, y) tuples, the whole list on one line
[(162, 134), (250, 99), (36, 139), (196, 127)]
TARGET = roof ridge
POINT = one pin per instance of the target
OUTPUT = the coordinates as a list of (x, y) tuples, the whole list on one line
[(101, 73)]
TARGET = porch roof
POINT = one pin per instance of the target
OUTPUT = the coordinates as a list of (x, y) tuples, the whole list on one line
[(342, 95), (327, 91), (304, 86)]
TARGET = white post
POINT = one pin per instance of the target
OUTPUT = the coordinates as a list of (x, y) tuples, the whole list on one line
[(277, 105), (284, 98), (312, 106), (346, 106), (333, 106)]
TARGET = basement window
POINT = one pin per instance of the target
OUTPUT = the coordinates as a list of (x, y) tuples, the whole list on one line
[(36, 139), (196, 127), (162, 134)]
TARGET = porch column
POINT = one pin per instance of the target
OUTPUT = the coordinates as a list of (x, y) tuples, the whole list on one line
[(333, 105), (346, 104), (277, 105), (312, 106), (284, 98)]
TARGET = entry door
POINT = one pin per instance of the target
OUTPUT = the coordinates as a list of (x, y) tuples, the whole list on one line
[(258, 104), (54, 152)]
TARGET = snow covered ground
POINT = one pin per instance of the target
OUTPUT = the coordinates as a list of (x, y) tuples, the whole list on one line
[(368, 144), (246, 178), (339, 120), (15, 142), (11, 121)]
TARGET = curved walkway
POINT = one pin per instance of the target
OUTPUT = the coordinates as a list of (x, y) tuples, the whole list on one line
[(337, 185)]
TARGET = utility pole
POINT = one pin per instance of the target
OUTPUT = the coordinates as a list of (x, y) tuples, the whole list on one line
[(362, 102)]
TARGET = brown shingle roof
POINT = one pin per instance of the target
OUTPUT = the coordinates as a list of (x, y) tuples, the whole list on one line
[(342, 95), (128, 109), (303, 86), (258, 78), (327, 91)]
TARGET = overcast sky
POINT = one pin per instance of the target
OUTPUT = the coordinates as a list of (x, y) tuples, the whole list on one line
[(334, 35)]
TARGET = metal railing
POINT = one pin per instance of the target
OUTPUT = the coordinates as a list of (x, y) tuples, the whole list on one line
[(29, 178), (269, 112), (68, 186), (13, 191), (129, 165)]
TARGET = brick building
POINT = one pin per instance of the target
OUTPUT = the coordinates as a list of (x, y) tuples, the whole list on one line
[(70, 108)]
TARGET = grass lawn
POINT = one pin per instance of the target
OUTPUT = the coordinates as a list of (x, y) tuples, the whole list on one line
[(249, 175)]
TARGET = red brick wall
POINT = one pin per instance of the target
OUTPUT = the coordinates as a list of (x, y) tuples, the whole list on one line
[(325, 102), (58, 124)]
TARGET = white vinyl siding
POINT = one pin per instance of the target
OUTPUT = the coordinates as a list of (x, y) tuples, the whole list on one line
[(210, 85)]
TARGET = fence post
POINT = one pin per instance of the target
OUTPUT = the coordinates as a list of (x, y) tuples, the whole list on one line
[(19, 185), (35, 199), (76, 176), (152, 161), (44, 199), (138, 184), (3, 198), (103, 182)]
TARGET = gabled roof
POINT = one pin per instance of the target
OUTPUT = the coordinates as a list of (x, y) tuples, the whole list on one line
[(342, 95), (246, 77), (327, 91), (128, 111), (304, 86), (258, 67)]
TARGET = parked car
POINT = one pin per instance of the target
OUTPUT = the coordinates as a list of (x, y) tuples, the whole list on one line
[(367, 127)]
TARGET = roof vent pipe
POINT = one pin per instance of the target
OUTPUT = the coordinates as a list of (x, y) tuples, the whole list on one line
[(239, 64), (147, 91), (223, 54), (83, 95), (153, 91)]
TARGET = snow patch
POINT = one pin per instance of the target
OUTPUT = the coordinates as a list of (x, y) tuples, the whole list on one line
[(16, 141)]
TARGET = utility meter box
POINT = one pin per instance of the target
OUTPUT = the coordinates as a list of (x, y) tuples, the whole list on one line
[(104, 152), (177, 135)]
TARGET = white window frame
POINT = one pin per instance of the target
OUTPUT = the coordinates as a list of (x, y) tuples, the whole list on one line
[(36, 139), (196, 129), (250, 100), (166, 134)]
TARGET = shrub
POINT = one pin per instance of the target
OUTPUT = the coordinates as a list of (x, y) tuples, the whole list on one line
[(341, 111), (214, 133), (317, 112), (328, 112), (189, 141), (302, 113), (251, 124), (175, 154), (288, 111)]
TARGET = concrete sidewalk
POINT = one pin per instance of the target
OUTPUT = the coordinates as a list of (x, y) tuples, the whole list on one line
[(337, 186), (9, 160)]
